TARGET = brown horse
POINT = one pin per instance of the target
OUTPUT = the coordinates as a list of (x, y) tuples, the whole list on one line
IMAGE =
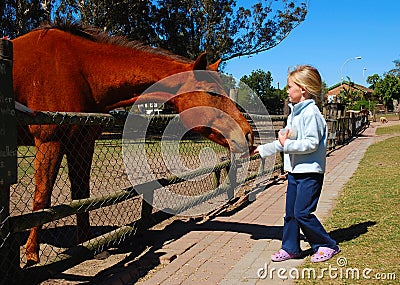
[(70, 68)]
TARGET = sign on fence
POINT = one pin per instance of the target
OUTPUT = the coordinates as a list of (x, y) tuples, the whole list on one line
[(8, 131)]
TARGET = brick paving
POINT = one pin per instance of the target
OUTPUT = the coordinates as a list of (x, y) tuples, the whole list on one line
[(235, 248)]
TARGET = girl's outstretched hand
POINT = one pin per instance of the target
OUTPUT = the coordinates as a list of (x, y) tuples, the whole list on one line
[(252, 151)]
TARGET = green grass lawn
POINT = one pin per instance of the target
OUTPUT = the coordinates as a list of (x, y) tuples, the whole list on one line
[(388, 130), (366, 221)]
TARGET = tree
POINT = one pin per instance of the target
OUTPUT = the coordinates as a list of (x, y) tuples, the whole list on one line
[(125, 18), (188, 27), (396, 70), (388, 89), (372, 80), (260, 82), (128, 18), (19, 17), (185, 27)]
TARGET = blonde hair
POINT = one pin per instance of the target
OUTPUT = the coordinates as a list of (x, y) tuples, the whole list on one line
[(308, 77)]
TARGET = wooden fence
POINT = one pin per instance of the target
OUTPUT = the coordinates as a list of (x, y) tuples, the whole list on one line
[(345, 128), (9, 250)]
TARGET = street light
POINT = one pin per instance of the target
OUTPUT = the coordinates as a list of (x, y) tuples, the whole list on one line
[(347, 60), (364, 69), (341, 70)]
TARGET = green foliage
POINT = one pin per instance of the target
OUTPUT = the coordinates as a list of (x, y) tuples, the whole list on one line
[(185, 27), (396, 70), (126, 18), (248, 99), (19, 17), (362, 103), (388, 89), (372, 80), (281, 94), (349, 95), (260, 82)]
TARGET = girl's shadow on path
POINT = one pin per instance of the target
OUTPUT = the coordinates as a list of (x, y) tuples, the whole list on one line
[(347, 234), (257, 232)]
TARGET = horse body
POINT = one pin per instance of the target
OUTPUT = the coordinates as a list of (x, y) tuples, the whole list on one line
[(85, 75), (56, 70)]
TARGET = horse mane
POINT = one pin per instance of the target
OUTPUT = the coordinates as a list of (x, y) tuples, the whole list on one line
[(97, 35)]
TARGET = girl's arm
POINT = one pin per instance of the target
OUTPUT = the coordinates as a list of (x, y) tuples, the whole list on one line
[(273, 147), (313, 131)]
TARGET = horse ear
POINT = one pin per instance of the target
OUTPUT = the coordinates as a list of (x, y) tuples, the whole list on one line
[(214, 66), (201, 62)]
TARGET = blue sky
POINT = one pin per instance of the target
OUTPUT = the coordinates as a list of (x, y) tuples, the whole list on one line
[(334, 31)]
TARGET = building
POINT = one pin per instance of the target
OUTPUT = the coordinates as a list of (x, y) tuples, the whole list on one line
[(349, 88)]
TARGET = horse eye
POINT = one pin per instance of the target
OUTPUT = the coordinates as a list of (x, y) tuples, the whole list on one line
[(212, 93)]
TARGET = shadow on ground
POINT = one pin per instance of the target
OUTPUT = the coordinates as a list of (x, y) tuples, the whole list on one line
[(347, 234), (142, 250), (178, 229)]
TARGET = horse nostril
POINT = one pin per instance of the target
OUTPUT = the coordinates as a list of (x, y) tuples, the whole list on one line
[(249, 138)]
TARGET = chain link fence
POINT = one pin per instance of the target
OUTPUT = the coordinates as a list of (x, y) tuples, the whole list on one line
[(115, 209)]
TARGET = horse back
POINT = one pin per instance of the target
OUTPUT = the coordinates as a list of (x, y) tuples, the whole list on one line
[(47, 75)]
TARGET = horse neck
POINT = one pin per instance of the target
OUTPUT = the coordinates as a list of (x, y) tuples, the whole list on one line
[(117, 73)]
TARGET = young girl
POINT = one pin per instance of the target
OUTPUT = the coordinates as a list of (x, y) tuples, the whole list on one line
[(304, 145)]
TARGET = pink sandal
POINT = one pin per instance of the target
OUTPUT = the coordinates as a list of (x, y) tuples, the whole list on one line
[(283, 255), (324, 254)]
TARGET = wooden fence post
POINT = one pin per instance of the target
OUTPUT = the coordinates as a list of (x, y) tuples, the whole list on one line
[(9, 247), (232, 176)]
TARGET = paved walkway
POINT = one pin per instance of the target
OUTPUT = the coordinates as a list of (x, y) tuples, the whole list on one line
[(231, 249)]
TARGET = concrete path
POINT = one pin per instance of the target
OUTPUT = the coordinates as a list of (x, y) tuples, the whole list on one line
[(236, 248)]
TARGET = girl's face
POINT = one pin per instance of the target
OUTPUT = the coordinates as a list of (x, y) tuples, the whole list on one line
[(295, 92)]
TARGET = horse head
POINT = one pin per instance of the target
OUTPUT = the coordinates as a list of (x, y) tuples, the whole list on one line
[(204, 106)]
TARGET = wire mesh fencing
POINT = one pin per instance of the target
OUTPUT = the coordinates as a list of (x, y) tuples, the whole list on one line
[(115, 204)]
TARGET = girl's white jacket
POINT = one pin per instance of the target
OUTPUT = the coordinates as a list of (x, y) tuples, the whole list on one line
[(307, 152)]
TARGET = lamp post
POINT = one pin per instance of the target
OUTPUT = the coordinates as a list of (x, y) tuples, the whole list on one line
[(364, 69), (341, 70), (369, 100), (347, 60)]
